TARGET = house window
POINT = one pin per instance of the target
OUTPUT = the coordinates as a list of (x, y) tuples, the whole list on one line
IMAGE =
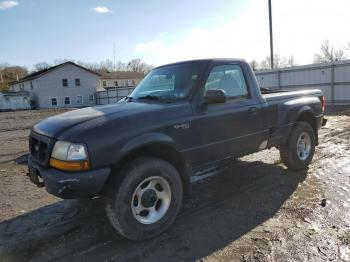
[(65, 82), (133, 82), (116, 83), (126, 82), (67, 100), (31, 85), (54, 101), (91, 99), (79, 100), (104, 83), (77, 82)]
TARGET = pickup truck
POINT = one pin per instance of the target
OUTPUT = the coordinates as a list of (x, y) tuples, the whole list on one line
[(142, 152)]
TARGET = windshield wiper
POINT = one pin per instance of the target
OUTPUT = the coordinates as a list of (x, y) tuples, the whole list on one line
[(150, 97), (129, 98)]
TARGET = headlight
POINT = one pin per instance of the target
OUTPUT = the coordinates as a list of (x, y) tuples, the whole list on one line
[(69, 157)]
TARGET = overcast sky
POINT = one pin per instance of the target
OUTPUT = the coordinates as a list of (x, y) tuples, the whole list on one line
[(161, 31)]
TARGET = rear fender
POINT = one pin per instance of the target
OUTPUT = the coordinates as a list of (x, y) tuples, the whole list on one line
[(290, 111)]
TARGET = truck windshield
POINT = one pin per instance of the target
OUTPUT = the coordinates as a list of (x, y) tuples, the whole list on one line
[(171, 83)]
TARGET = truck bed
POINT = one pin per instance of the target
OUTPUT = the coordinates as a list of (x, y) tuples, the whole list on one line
[(276, 95)]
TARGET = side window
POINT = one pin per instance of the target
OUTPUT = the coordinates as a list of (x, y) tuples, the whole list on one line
[(67, 100), (77, 82), (64, 82), (53, 101), (228, 78)]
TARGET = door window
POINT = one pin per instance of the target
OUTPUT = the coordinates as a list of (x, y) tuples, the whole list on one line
[(229, 78)]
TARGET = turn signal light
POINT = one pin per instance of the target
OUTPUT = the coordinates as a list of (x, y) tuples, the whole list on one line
[(68, 165)]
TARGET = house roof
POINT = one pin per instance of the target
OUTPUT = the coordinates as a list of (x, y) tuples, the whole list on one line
[(122, 75), (47, 70)]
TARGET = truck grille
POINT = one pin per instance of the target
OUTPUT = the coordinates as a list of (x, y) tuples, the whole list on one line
[(40, 148)]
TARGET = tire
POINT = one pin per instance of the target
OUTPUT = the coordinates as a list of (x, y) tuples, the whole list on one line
[(294, 158), (128, 197)]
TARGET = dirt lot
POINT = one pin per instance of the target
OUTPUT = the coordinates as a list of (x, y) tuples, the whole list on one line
[(254, 210)]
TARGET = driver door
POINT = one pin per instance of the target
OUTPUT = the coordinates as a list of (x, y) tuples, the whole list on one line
[(227, 129)]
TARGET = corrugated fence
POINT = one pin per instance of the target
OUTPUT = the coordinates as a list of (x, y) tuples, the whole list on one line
[(332, 78)]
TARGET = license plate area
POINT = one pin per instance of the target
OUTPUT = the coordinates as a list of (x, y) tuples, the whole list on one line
[(34, 177)]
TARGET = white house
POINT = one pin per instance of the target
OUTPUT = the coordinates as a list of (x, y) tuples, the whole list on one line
[(64, 85), (120, 79)]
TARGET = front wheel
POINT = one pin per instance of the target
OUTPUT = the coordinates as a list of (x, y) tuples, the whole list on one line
[(299, 150), (145, 202)]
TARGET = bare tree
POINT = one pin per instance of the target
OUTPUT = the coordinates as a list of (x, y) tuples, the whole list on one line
[(291, 61), (121, 66), (279, 62), (329, 54), (137, 65), (41, 66), (61, 61), (106, 66), (148, 69)]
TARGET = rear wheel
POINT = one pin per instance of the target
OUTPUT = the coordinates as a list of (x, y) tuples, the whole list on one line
[(145, 202), (299, 150)]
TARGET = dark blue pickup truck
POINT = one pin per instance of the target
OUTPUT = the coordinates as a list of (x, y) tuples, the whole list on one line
[(142, 152)]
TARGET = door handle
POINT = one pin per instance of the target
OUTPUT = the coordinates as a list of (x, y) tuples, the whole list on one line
[(253, 110)]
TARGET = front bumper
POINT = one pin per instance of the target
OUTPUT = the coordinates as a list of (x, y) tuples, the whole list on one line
[(68, 185)]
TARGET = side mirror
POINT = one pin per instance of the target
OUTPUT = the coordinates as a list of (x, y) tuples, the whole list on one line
[(215, 96)]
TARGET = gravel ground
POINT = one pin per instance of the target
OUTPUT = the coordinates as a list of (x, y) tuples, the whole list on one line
[(253, 210)]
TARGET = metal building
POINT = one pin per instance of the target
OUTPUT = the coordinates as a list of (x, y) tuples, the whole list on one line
[(332, 78)]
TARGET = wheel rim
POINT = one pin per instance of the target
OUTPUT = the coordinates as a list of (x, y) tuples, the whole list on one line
[(304, 146), (151, 200)]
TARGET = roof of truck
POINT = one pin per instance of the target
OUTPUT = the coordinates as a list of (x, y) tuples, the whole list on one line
[(206, 60)]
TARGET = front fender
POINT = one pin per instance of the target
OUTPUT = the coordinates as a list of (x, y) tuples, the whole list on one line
[(144, 140)]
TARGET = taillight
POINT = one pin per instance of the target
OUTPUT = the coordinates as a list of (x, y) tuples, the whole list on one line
[(323, 103)]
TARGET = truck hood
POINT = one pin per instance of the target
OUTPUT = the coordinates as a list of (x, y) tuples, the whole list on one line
[(56, 125)]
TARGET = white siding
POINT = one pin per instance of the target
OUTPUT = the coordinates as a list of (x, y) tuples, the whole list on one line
[(49, 85), (14, 102)]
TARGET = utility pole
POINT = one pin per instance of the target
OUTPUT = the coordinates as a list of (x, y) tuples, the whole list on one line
[(114, 58), (271, 36)]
